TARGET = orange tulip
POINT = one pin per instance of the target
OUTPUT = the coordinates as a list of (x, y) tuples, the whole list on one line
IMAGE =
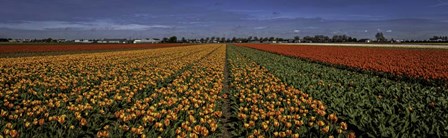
[(343, 126), (41, 121)]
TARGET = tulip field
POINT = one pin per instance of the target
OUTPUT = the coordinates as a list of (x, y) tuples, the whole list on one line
[(219, 90), (162, 92), (27, 50), (425, 64), (372, 106), (76, 47)]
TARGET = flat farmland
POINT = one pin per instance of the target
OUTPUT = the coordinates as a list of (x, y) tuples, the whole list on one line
[(395, 45), (224, 90), (20, 50)]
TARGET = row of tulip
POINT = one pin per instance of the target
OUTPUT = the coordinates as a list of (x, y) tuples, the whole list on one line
[(267, 107), (187, 107), (82, 94)]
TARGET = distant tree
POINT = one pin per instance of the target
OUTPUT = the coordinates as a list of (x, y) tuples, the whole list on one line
[(48, 40), (164, 40), (183, 40), (265, 39), (223, 40), (341, 38), (4, 40), (296, 38), (233, 40), (172, 39), (439, 38), (380, 37), (434, 38), (244, 40), (321, 39), (256, 38), (308, 39)]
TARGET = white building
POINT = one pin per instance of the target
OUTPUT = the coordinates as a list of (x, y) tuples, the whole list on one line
[(153, 40), (112, 41), (83, 41)]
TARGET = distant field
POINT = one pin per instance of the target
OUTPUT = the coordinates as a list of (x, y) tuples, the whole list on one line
[(35, 43), (38, 49), (21, 48), (426, 45)]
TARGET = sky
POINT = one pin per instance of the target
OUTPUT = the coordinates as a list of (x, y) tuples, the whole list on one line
[(96, 19)]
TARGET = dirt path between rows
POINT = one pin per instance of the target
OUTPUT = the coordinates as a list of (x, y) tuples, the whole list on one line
[(226, 103)]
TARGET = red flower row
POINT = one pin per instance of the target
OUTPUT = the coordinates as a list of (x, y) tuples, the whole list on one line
[(424, 63), (77, 47)]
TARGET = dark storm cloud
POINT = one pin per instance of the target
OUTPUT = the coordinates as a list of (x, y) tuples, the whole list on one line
[(406, 19)]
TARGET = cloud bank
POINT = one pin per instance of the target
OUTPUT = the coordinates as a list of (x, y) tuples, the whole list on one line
[(64, 25)]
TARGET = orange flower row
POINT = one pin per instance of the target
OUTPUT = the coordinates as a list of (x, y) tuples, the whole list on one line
[(426, 64)]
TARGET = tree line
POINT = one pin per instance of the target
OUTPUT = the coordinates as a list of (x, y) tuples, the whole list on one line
[(255, 39), (379, 38)]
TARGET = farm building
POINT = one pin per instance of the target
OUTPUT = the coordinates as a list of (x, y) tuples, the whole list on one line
[(115, 41), (153, 40), (83, 41), (365, 40)]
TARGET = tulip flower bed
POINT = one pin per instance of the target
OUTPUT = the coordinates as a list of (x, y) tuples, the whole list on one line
[(416, 63), (372, 106), (185, 108), (266, 107), (209, 90), (19, 48), (126, 93)]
